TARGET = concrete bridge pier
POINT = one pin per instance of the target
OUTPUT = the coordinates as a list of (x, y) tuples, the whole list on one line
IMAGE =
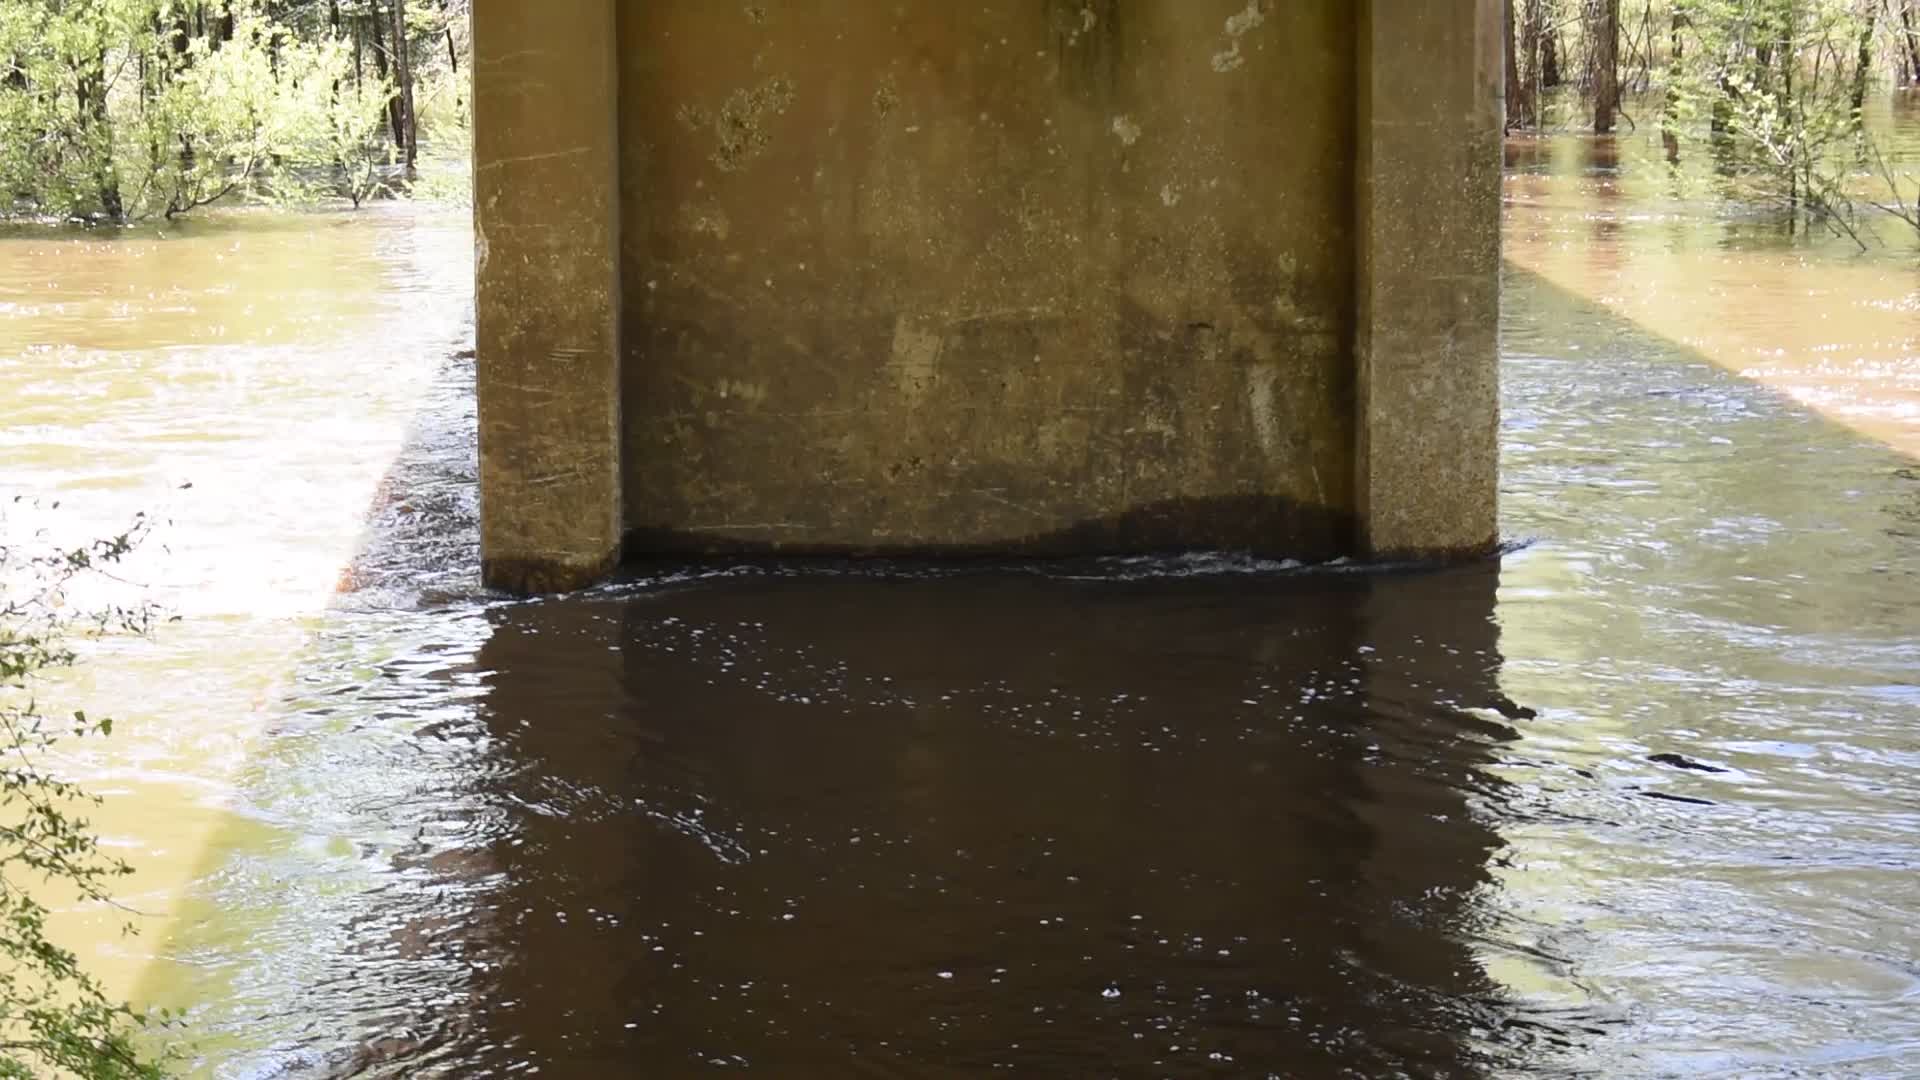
[(546, 186), (1010, 277)]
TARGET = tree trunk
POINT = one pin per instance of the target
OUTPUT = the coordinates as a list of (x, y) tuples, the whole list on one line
[(91, 88), (1646, 49), (1669, 108), (446, 26), (1863, 62), (403, 75), (1532, 18), (1606, 66), (1907, 35), (1550, 76), (396, 120), (179, 36), (1795, 118), (1516, 86)]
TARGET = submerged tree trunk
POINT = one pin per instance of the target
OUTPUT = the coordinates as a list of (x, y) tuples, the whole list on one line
[(1907, 37), (1606, 66), (1646, 49), (403, 75), (453, 54), (1532, 19), (91, 89), (1516, 86), (1638, 60), (1863, 63), (1670, 107), (1793, 153), (396, 120)]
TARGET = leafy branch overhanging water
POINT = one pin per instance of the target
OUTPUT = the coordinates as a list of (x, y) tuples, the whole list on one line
[(55, 1017)]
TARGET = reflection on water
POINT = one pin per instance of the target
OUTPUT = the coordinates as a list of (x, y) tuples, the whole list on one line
[(1636, 801)]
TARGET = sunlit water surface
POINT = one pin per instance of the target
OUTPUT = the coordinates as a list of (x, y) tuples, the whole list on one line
[(1635, 801)]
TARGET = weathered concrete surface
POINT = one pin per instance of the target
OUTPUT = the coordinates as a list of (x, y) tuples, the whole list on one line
[(1429, 292), (1006, 276), (1003, 275), (546, 217)]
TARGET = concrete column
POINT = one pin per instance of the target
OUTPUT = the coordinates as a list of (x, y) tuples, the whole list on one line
[(1428, 290), (546, 219)]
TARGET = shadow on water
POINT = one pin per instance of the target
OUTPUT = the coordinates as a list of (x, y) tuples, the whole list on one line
[(1192, 816), (916, 821), (1140, 817), (1206, 814), (1150, 816), (921, 824)]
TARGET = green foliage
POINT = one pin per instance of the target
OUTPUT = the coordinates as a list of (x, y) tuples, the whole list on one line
[(126, 109), (331, 122), (55, 1019), (1770, 91), (1777, 85), (446, 164)]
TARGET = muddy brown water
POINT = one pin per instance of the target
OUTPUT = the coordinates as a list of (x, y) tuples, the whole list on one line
[(1634, 800)]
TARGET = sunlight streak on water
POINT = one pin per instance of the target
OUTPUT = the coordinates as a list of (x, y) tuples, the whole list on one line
[(1832, 327), (246, 383)]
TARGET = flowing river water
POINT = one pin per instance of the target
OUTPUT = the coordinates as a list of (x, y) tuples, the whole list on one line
[(1635, 800)]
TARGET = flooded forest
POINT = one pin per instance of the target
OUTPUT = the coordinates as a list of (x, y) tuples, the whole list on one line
[(1631, 798)]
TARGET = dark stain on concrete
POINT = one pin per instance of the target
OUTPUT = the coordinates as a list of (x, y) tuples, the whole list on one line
[(543, 576), (1259, 525)]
